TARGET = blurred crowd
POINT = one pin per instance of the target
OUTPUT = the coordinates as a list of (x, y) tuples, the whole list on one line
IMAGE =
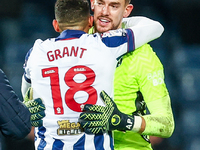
[(23, 21)]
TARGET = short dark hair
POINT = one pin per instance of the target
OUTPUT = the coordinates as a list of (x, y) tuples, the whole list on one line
[(72, 11)]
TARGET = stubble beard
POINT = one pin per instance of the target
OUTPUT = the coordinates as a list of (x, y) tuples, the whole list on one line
[(102, 29)]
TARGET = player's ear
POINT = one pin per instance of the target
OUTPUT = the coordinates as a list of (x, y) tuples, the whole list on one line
[(92, 4), (128, 10), (91, 20), (56, 26)]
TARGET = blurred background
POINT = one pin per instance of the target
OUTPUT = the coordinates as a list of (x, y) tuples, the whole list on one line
[(23, 21)]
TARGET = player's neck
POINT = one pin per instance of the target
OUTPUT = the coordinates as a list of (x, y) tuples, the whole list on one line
[(85, 29)]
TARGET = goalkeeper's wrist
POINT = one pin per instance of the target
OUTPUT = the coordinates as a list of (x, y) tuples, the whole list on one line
[(137, 124)]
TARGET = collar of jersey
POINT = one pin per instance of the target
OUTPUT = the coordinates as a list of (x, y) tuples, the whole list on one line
[(70, 34)]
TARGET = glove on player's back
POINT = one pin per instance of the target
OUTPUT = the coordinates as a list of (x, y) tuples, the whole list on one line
[(98, 119), (36, 108)]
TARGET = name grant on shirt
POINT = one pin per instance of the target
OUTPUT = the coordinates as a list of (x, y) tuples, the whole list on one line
[(73, 51)]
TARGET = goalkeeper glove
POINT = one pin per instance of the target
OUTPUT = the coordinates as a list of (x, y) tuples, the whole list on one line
[(98, 119), (36, 108)]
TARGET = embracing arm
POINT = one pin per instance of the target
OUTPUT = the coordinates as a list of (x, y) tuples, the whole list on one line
[(35, 106), (144, 29)]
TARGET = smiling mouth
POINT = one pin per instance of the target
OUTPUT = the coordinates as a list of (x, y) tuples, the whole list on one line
[(104, 20)]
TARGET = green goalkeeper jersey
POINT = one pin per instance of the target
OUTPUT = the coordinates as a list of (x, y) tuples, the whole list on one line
[(142, 71), (140, 77)]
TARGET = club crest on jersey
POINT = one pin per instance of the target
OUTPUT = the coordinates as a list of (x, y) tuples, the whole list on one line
[(119, 32), (68, 128)]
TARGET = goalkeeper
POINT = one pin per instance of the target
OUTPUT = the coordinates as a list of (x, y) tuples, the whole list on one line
[(136, 86)]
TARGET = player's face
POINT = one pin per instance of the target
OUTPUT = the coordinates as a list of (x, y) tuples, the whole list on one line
[(108, 14)]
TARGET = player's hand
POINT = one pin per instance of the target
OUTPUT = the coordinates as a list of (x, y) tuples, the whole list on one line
[(36, 108), (98, 119)]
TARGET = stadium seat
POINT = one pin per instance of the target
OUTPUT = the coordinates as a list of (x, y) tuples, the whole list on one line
[(186, 66), (187, 69)]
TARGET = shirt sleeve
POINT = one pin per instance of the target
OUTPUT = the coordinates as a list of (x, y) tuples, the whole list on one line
[(160, 122), (150, 76), (14, 116), (144, 29)]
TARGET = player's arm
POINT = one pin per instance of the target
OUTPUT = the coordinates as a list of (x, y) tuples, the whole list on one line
[(150, 79), (98, 119), (160, 122), (35, 106), (140, 31), (26, 81), (144, 29), (25, 85)]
